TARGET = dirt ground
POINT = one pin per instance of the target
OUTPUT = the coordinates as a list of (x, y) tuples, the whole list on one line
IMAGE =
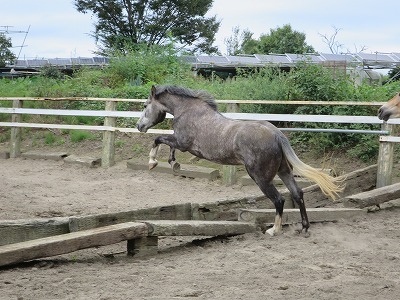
[(350, 259)]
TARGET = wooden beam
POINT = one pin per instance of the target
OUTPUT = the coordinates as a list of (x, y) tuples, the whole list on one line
[(108, 154), (66, 243), (15, 231), (385, 159), (15, 140), (202, 228), (166, 212), (226, 101), (373, 197), (292, 215)]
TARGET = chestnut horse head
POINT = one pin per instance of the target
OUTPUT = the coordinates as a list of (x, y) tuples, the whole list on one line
[(391, 109)]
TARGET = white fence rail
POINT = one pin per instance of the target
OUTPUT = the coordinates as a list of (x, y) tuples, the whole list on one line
[(110, 114)]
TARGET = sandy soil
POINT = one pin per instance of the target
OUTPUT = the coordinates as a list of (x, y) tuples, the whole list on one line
[(350, 259)]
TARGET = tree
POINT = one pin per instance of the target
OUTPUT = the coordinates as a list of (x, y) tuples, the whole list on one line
[(152, 22), (394, 74), (6, 56), (235, 43), (280, 40), (284, 40), (334, 46)]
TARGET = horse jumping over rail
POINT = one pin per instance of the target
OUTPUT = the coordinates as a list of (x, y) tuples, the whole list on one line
[(264, 150), (391, 109)]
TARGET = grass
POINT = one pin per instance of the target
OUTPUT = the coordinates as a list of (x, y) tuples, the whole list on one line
[(80, 135)]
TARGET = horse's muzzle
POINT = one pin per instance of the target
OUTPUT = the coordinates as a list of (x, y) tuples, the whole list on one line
[(141, 127), (383, 114)]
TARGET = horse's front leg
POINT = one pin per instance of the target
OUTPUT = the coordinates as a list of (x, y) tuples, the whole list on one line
[(169, 140), (152, 156)]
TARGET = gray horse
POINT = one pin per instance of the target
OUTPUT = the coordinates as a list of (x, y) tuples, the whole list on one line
[(262, 148)]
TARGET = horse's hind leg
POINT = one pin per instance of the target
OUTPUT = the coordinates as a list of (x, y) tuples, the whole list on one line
[(272, 193), (286, 174)]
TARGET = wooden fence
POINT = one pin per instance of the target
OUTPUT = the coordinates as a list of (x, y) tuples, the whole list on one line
[(110, 114)]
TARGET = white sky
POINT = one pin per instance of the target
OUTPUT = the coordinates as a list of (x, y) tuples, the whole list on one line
[(58, 30)]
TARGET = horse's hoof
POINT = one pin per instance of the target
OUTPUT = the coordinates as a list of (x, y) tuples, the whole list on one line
[(152, 165), (175, 166), (273, 232), (303, 232)]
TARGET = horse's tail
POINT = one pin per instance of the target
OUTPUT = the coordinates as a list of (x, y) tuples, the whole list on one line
[(329, 185)]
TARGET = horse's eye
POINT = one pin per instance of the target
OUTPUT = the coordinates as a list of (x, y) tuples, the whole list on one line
[(145, 105)]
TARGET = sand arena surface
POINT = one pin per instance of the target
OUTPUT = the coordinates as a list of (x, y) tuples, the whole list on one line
[(350, 259)]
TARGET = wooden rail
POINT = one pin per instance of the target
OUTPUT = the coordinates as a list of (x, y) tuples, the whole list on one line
[(385, 160)]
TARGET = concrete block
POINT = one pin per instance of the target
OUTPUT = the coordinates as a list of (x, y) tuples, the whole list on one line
[(91, 162), (38, 154), (4, 154), (190, 171), (143, 246)]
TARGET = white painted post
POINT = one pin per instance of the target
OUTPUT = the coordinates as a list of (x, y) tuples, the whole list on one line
[(108, 156), (385, 159), (15, 141), (229, 172)]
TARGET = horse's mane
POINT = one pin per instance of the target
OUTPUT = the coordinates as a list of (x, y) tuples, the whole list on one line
[(187, 93)]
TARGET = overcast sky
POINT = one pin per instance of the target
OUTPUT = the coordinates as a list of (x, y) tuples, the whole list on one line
[(58, 30)]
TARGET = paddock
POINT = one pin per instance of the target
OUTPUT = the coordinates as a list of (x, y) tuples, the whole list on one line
[(355, 257), (195, 251)]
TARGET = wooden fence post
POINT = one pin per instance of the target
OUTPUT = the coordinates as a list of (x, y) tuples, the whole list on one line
[(229, 172), (108, 156), (15, 141), (385, 159)]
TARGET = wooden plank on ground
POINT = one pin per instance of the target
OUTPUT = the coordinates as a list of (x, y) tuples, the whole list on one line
[(202, 228), (185, 170), (373, 197), (88, 161), (66, 243), (39, 154), (15, 231), (166, 212), (293, 215)]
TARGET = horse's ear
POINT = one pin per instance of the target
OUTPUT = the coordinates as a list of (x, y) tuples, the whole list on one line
[(153, 91)]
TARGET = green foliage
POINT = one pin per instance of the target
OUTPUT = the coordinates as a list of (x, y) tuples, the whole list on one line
[(52, 139), (6, 55), (146, 65), (50, 71), (80, 135), (120, 23), (132, 74), (280, 40), (394, 74)]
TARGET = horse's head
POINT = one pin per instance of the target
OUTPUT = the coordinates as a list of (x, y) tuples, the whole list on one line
[(154, 112), (391, 109)]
